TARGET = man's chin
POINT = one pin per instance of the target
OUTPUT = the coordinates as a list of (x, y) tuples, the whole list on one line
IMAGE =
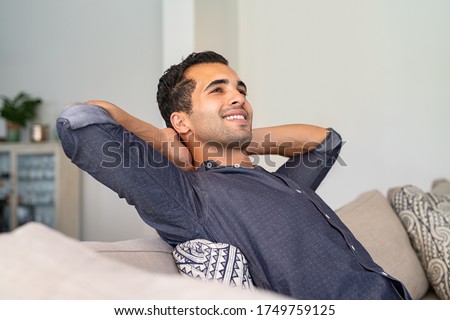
[(241, 143)]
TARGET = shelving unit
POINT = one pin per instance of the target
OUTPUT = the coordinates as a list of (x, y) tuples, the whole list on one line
[(39, 183)]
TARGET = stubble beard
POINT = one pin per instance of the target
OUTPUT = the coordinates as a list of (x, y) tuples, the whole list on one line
[(226, 144)]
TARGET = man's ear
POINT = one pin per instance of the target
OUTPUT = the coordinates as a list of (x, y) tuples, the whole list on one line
[(180, 122)]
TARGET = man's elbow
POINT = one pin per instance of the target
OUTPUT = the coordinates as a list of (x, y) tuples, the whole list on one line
[(80, 115)]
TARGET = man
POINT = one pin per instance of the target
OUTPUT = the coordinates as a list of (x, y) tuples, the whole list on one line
[(294, 243)]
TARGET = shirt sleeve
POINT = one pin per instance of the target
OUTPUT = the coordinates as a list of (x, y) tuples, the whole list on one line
[(161, 192), (309, 169)]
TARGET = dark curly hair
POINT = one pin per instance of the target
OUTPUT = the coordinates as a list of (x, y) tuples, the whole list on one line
[(175, 91)]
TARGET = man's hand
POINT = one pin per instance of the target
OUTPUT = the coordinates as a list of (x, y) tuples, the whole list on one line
[(175, 150)]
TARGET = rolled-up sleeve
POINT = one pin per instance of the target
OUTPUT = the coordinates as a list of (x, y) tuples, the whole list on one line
[(309, 169)]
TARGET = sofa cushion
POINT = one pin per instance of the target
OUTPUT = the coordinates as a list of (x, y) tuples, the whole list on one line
[(426, 217), (40, 263), (441, 187), (374, 223), (150, 254)]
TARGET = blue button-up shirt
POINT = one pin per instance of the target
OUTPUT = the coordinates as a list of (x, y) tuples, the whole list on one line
[(294, 242)]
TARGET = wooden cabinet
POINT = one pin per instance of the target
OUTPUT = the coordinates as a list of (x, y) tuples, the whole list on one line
[(39, 183)]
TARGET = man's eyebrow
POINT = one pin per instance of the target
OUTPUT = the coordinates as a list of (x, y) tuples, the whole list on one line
[(216, 82), (224, 81)]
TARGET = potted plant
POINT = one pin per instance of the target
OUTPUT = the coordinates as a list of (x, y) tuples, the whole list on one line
[(18, 112)]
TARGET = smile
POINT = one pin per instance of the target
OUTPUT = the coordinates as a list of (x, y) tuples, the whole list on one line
[(235, 117)]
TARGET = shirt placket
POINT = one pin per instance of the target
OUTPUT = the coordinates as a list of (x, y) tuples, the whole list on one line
[(348, 238)]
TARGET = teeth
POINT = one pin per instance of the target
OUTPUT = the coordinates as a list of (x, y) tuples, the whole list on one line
[(235, 117)]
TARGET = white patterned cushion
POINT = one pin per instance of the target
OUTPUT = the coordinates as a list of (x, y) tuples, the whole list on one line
[(426, 217), (216, 262)]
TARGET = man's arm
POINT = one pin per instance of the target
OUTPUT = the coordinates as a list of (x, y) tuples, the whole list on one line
[(286, 140), (161, 193), (311, 150), (164, 140)]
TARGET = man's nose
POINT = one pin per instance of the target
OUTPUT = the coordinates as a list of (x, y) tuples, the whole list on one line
[(237, 98)]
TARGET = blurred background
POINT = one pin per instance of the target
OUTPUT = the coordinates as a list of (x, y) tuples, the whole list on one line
[(377, 71)]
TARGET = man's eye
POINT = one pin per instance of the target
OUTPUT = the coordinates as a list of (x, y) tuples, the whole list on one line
[(216, 90), (243, 92)]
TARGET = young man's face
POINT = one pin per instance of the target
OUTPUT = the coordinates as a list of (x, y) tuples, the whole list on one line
[(220, 110)]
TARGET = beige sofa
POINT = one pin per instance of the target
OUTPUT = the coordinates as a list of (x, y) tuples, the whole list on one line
[(44, 264)]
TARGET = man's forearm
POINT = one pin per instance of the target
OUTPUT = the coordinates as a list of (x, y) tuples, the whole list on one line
[(165, 141), (142, 129), (286, 140)]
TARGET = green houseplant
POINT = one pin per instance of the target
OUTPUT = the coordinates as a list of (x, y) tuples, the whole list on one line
[(17, 112)]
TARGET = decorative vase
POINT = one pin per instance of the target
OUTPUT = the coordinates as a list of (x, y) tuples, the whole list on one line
[(38, 132), (13, 131), (2, 130)]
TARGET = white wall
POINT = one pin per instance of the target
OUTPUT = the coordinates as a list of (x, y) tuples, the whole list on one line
[(376, 71), (178, 23), (217, 29)]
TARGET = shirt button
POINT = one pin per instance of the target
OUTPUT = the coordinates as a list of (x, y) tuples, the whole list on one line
[(328, 217), (298, 191), (353, 248), (209, 165), (384, 273)]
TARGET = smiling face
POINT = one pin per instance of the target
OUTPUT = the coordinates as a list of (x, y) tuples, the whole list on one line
[(220, 111)]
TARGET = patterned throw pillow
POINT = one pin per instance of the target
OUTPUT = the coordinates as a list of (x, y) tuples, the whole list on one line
[(217, 262), (426, 218)]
